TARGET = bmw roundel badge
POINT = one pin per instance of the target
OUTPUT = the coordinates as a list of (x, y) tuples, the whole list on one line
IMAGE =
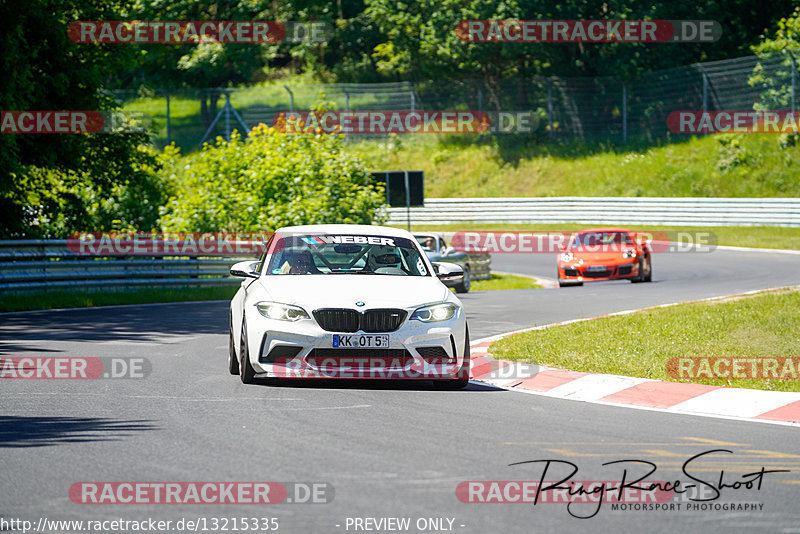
[(359, 303)]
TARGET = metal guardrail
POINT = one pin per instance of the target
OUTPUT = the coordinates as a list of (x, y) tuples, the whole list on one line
[(38, 264), (684, 211)]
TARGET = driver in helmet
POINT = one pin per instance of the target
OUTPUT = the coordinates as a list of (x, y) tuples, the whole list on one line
[(382, 257), (302, 263)]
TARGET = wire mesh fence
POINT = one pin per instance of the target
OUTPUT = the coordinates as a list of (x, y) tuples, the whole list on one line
[(565, 109)]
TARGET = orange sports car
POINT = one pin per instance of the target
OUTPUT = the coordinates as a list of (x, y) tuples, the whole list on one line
[(604, 254)]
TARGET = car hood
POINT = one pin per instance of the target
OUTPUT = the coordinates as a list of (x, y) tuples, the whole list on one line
[(343, 291)]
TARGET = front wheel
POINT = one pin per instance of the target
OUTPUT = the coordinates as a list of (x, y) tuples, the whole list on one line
[(641, 277), (233, 361), (246, 371), (649, 276), (566, 283), (463, 373), (465, 283)]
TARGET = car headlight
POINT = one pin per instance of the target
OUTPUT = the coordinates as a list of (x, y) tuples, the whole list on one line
[(435, 313), (282, 312), (566, 256), (630, 253)]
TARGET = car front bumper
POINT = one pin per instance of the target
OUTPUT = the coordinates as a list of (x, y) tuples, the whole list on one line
[(302, 349), (586, 272)]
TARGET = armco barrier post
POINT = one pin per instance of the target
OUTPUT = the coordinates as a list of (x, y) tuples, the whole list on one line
[(624, 113), (794, 78), (550, 108), (169, 130)]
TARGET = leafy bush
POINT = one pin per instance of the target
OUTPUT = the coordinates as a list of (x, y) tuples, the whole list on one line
[(775, 83), (268, 180), (731, 152), (116, 187)]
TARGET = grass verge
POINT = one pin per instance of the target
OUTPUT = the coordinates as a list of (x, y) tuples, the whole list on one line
[(712, 166), (504, 281), (762, 327), (46, 300)]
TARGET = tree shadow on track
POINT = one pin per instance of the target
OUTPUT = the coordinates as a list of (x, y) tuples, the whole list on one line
[(13, 348), (135, 323), (18, 432)]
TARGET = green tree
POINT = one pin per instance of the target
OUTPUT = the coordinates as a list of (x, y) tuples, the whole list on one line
[(268, 180), (775, 84), (212, 64), (420, 42), (52, 184), (785, 38)]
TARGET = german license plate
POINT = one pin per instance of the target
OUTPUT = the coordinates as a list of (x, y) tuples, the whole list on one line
[(596, 268), (357, 341)]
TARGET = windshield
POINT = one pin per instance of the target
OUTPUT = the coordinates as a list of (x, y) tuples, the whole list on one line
[(601, 239), (346, 254)]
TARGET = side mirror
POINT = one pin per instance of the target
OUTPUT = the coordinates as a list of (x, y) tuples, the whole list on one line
[(562, 247), (449, 250), (447, 271), (245, 269)]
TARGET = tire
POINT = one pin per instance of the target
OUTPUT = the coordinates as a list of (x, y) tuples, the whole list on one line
[(233, 360), (649, 277), (465, 283), (639, 279), (565, 283), (463, 374), (246, 371)]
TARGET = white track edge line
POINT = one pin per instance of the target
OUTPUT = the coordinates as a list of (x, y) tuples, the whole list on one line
[(648, 408)]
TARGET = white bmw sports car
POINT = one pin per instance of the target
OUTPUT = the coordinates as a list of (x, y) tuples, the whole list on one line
[(347, 301)]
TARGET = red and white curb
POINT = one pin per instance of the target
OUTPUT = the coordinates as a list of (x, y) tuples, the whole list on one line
[(777, 407)]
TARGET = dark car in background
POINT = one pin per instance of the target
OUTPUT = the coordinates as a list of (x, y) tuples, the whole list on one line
[(437, 250)]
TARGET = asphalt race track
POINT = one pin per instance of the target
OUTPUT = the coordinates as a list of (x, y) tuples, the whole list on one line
[(388, 450), (677, 277)]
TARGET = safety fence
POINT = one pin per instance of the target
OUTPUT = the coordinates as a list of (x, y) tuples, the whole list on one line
[(564, 109), (684, 211)]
